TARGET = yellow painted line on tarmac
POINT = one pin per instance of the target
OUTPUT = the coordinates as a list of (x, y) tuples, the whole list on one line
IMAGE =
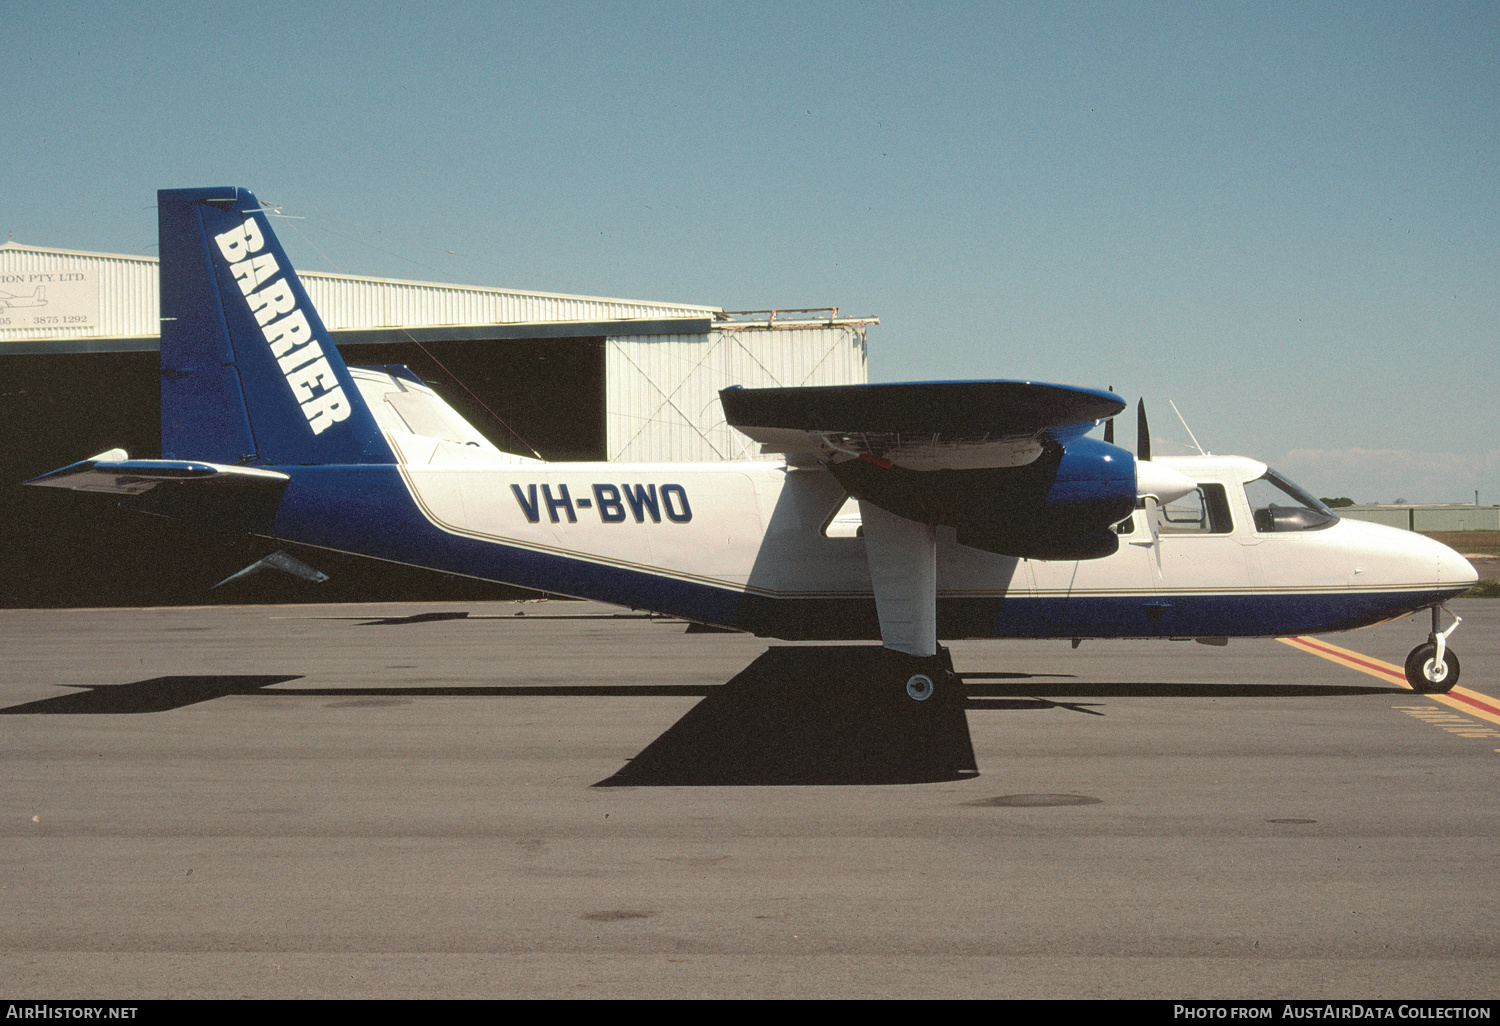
[(1348, 657), (1471, 703)]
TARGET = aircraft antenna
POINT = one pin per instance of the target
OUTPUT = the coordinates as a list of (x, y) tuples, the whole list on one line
[(1189, 430), (483, 405), (276, 212)]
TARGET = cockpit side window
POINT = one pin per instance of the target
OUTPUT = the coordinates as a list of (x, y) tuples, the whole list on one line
[(1278, 505), (1202, 511)]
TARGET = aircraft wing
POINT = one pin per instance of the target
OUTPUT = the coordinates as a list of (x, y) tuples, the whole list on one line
[(114, 471), (1004, 463), (929, 425)]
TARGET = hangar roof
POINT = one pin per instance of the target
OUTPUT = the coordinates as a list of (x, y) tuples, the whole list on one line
[(103, 302)]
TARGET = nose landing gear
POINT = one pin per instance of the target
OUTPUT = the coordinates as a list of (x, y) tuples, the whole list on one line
[(1431, 668)]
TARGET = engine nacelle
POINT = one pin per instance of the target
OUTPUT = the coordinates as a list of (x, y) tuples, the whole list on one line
[(1063, 505)]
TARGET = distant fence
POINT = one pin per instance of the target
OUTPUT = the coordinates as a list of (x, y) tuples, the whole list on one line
[(1428, 518)]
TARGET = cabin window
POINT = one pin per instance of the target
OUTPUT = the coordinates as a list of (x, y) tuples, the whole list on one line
[(1278, 505), (1205, 510)]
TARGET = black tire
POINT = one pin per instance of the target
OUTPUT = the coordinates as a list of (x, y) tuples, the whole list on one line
[(1419, 663)]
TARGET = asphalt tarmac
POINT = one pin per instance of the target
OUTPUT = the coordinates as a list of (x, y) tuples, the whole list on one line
[(400, 801)]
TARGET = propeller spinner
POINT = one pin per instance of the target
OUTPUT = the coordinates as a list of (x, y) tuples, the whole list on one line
[(1152, 480)]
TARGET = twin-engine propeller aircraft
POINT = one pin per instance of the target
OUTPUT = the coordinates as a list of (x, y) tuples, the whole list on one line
[(906, 513)]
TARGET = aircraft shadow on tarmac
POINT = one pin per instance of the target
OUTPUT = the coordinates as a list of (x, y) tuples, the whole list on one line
[(159, 694), (766, 726), (520, 616), (763, 727), (855, 725), (1139, 689), (162, 694)]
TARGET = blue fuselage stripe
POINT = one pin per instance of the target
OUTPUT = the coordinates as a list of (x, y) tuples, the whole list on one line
[(1264, 614)]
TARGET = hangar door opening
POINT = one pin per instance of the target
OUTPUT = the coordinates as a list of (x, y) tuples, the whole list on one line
[(76, 549), (529, 396)]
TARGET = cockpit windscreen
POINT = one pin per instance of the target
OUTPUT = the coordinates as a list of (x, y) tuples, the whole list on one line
[(1279, 505)]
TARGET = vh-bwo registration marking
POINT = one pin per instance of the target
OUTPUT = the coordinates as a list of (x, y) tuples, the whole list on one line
[(643, 500), (692, 522)]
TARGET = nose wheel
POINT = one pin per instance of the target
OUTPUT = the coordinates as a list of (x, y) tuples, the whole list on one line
[(1426, 673), (1432, 668)]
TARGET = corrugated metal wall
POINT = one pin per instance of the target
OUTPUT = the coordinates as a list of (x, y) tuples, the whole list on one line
[(128, 301), (662, 392), (1393, 517), (347, 303), (1428, 518), (1459, 518)]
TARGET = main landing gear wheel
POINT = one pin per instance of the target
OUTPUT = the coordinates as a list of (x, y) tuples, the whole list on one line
[(919, 687), (928, 681), (1429, 676)]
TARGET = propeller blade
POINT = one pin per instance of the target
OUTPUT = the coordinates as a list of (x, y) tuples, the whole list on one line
[(1109, 426), (1142, 433)]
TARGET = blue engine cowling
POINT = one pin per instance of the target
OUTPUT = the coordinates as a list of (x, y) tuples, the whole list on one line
[(1063, 505)]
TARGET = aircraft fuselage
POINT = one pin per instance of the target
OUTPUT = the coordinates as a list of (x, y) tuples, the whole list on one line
[(746, 545)]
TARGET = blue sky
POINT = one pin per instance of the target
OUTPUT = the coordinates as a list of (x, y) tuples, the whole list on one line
[(1286, 218)]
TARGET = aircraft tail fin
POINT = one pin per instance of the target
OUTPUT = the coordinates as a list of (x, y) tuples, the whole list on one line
[(249, 374)]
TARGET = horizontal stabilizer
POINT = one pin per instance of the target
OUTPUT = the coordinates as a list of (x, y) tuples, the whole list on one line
[(929, 425), (114, 471)]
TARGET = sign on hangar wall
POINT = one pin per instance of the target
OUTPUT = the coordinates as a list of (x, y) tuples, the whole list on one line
[(62, 296)]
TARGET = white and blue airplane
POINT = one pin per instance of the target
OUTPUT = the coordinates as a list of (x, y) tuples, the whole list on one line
[(906, 513)]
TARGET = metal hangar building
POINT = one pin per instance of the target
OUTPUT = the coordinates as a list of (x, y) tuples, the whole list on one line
[(559, 376)]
